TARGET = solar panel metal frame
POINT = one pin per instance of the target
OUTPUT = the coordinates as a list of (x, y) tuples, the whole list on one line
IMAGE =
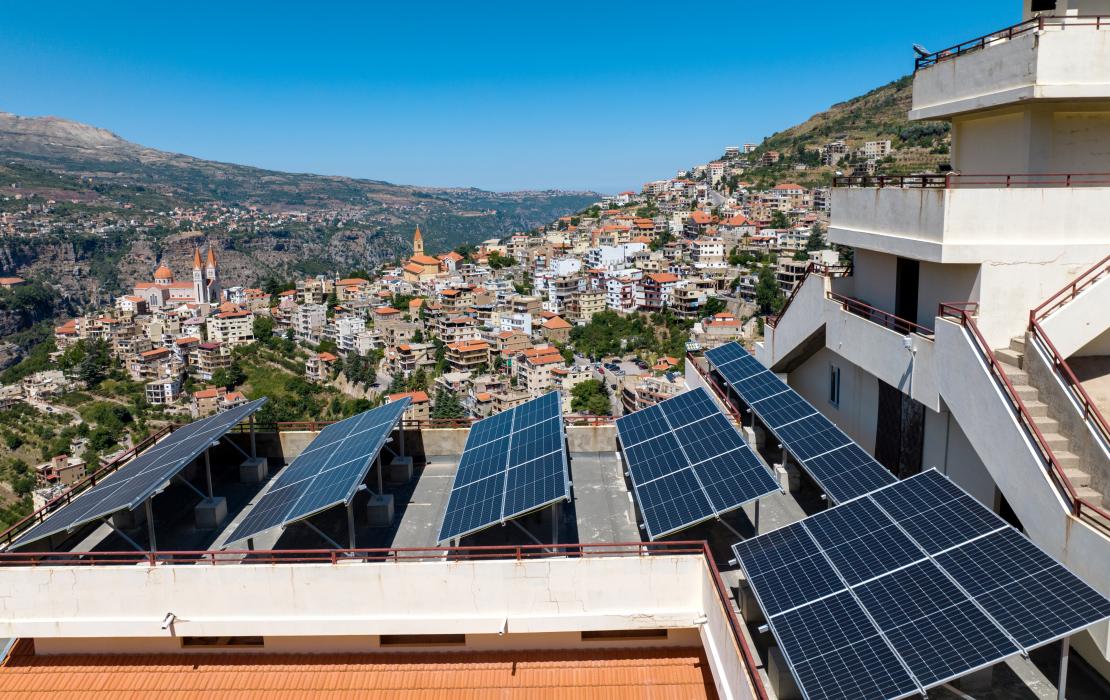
[(524, 409), (690, 464), (290, 516), (932, 559), (190, 436), (832, 490)]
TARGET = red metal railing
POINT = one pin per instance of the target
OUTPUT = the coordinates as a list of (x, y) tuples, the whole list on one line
[(482, 553), (954, 180), (963, 313), (882, 318), (812, 268), (88, 482), (1030, 25), (1091, 413), (412, 424)]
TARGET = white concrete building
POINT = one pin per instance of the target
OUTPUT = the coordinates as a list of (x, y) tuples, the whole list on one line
[(976, 389)]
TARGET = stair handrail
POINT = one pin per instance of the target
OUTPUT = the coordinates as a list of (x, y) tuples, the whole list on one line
[(823, 269), (1091, 413), (963, 313)]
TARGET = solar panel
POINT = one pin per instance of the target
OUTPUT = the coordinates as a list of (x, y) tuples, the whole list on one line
[(513, 463), (938, 606), (688, 463), (142, 477), (326, 474), (839, 466)]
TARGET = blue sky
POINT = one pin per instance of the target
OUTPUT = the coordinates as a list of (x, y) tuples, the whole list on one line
[(576, 95)]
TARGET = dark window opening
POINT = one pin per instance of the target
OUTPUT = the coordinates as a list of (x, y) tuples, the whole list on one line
[(908, 277), (1043, 5), (422, 640), (595, 635), (834, 385), (222, 642)]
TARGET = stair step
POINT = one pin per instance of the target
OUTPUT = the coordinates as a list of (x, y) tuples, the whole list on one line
[(1025, 392), (1009, 357), (1055, 441), (1077, 477), (1016, 376), (1017, 343), (1068, 460), (1037, 409), (1089, 495)]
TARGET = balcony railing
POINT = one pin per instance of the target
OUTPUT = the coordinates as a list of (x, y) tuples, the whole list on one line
[(964, 314), (812, 268), (1031, 25), (955, 180), (1091, 413), (882, 318)]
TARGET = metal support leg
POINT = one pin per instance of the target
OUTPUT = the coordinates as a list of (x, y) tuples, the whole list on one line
[(208, 473), (150, 525), (1062, 681), (380, 489), (555, 523), (756, 523), (401, 439), (254, 449), (351, 524)]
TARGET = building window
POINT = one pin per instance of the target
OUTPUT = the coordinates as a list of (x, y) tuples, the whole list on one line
[(1043, 6), (834, 385)]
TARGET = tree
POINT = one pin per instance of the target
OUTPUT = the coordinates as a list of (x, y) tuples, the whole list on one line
[(396, 384), (767, 291), (418, 336), (263, 329), (590, 396), (447, 405), (816, 240), (713, 306), (779, 220)]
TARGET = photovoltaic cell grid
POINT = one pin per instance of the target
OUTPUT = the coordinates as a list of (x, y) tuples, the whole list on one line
[(513, 463), (326, 474), (688, 463), (869, 600), (134, 482), (842, 469)]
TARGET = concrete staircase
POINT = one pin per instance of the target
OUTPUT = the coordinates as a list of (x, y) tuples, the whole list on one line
[(1013, 357)]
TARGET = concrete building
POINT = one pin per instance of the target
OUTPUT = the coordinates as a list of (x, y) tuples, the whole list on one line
[(973, 291)]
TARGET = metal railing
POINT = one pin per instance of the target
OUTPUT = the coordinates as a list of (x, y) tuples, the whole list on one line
[(878, 316), (956, 180), (1030, 25), (413, 554), (1091, 413), (963, 313), (812, 268)]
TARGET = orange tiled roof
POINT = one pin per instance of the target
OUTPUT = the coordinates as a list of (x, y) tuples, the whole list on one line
[(416, 396), (614, 674)]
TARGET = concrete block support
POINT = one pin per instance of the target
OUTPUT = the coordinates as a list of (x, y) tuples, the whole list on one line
[(211, 512), (254, 470), (399, 470), (749, 606), (379, 511), (778, 673), (129, 519)]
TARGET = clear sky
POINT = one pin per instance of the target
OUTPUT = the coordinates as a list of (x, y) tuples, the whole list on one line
[(601, 95)]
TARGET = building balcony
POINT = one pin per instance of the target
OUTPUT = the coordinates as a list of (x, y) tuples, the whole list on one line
[(1044, 58), (965, 218)]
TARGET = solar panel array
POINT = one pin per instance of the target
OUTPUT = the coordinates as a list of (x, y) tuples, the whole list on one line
[(326, 474), (688, 463), (907, 588), (840, 467), (513, 463), (142, 477)]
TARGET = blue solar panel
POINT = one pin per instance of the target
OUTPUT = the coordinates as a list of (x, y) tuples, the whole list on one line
[(724, 354), (932, 625), (513, 463), (974, 604), (839, 466), (1035, 599), (854, 661), (139, 479), (686, 442), (326, 474)]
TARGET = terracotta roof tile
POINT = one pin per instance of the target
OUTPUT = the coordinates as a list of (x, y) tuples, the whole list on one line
[(613, 674)]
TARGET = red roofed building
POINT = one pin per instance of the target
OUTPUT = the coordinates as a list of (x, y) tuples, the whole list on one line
[(318, 367), (654, 290), (421, 407), (468, 355)]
